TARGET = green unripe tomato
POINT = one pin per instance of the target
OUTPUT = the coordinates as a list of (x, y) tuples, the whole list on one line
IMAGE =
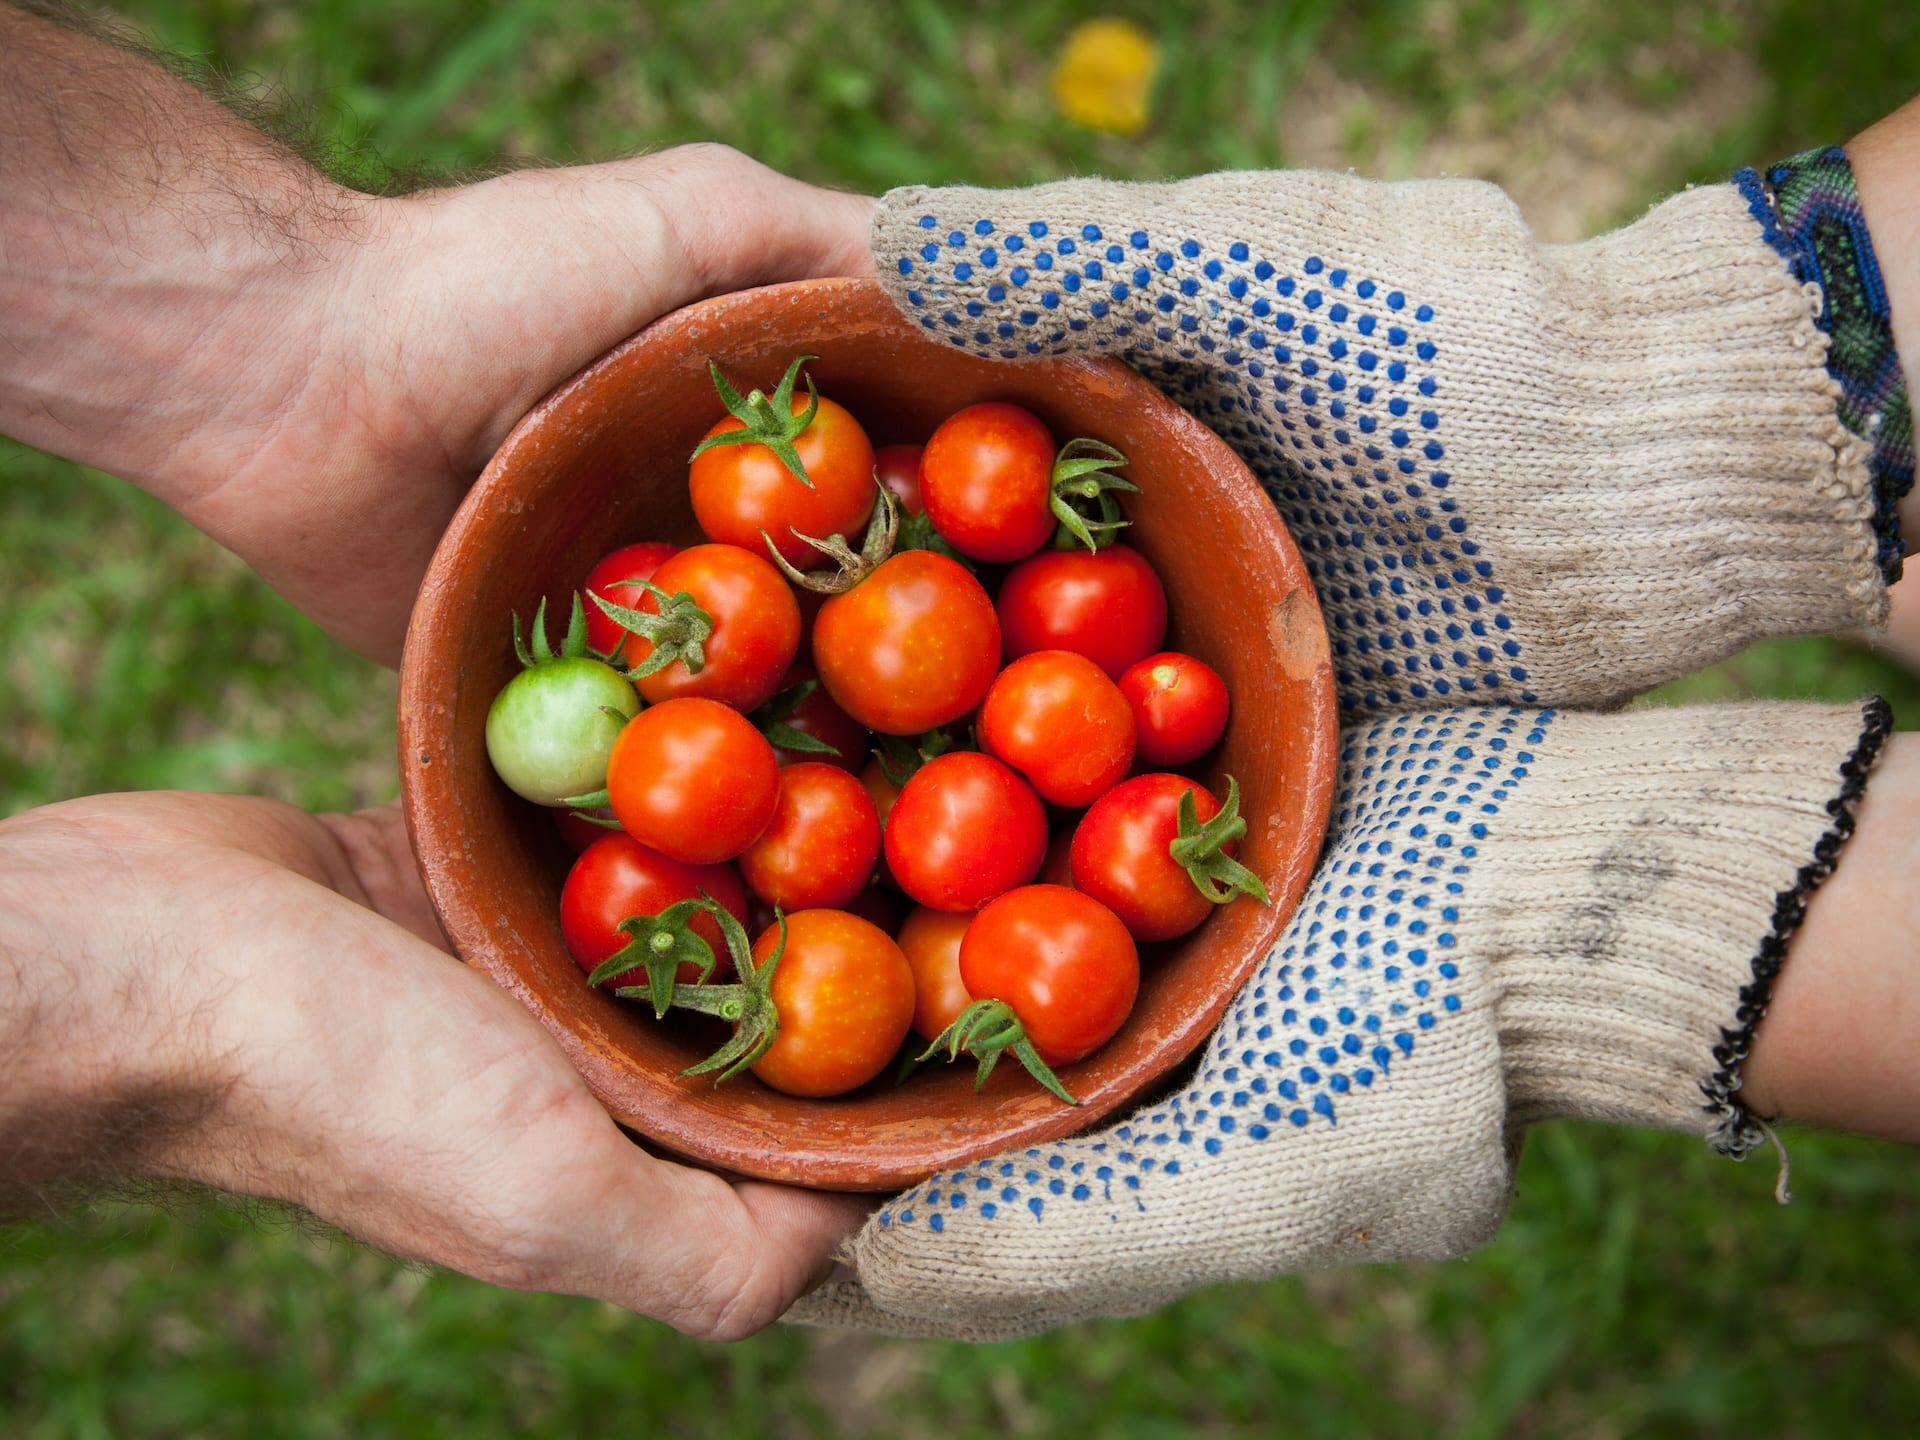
[(552, 727)]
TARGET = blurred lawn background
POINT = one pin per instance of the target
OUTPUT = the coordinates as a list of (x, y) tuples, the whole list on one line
[(1641, 1286)]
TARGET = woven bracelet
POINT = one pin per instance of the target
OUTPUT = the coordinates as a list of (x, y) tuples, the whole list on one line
[(1809, 208)]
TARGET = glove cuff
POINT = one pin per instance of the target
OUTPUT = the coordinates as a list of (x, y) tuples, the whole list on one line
[(1648, 898)]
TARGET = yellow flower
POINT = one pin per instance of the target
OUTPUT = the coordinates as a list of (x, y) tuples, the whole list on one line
[(1104, 75)]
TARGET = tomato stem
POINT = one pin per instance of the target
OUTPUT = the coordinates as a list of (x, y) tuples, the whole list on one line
[(1199, 850), (985, 1030), (875, 548), (658, 944), (748, 1006), (679, 630), (1083, 500), (572, 647), (767, 421)]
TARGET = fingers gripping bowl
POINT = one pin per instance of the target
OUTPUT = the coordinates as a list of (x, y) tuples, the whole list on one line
[(603, 460)]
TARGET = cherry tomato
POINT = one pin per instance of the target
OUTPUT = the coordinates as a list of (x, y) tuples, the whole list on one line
[(1120, 855), (741, 490), (616, 878), (1179, 707), (986, 477), (911, 647), (1061, 959), (897, 468), (930, 939), (1107, 605), (964, 829), (756, 627), (845, 996), (694, 779), (629, 562), (1057, 719), (552, 728), (819, 849)]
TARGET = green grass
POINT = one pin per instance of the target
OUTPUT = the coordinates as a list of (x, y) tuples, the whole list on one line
[(1640, 1287)]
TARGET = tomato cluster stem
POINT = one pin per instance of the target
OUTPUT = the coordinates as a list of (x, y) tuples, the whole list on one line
[(661, 943)]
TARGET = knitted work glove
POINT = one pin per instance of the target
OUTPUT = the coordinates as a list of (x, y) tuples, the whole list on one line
[(1517, 472), (1533, 475), (1523, 914)]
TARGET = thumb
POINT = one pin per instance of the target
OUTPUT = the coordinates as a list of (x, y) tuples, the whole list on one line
[(736, 223)]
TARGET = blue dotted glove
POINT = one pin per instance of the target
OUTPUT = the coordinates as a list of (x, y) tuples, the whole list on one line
[(1538, 477), (1517, 473)]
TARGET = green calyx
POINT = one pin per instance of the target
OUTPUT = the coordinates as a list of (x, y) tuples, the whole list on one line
[(1199, 850), (572, 647), (679, 630), (900, 756), (876, 548), (1083, 500), (747, 1006), (660, 945), (771, 720), (768, 420), (917, 533), (986, 1029)]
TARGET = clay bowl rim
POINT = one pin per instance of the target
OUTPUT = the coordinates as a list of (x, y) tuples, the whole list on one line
[(751, 1134)]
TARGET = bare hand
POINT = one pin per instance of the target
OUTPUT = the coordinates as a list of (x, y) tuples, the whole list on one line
[(286, 970)]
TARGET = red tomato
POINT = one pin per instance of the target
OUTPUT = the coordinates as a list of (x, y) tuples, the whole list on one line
[(1057, 719), (629, 562), (694, 779), (930, 939), (1108, 606), (617, 878), (1061, 959), (911, 647), (756, 627), (1120, 855), (987, 479), (964, 829), (897, 468), (741, 490), (1179, 707), (820, 847), (845, 996)]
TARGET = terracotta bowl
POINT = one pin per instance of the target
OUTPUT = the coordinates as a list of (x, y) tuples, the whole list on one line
[(602, 462)]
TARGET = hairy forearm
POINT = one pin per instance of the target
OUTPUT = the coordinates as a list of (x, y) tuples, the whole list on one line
[(102, 1062), (158, 263)]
